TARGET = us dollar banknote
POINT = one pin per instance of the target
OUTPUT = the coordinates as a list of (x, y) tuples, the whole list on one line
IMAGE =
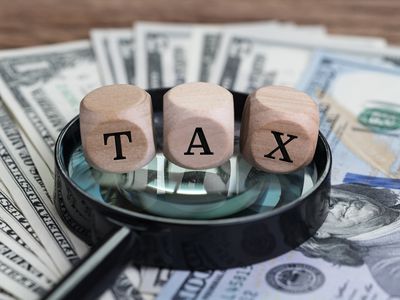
[(47, 74), (350, 257), (43, 87), (5, 295), (62, 246), (36, 162), (169, 54), (114, 50), (358, 111), (100, 40), (246, 62), (162, 54), (20, 146), (16, 226), (18, 284), (291, 276), (125, 287), (153, 279), (354, 255), (123, 47), (26, 262), (207, 41)]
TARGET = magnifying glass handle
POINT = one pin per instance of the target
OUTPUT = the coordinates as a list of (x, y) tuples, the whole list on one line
[(91, 277)]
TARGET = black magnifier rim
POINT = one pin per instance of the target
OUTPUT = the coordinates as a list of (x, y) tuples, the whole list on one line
[(59, 158)]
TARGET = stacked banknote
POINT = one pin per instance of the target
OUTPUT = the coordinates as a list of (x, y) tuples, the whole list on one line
[(355, 80)]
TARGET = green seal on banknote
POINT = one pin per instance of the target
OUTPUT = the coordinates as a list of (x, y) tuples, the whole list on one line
[(380, 116)]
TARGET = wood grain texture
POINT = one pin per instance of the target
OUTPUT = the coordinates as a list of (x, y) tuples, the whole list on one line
[(24, 22), (279, 129), (198, 125), (116, 128)]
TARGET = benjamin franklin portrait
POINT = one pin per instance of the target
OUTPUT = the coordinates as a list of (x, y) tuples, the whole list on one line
[(362, 227)]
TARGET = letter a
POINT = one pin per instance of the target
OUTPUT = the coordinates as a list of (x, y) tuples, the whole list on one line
[(203, 143)]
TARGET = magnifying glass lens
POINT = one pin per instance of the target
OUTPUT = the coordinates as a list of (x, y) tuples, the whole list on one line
[(165, 189)]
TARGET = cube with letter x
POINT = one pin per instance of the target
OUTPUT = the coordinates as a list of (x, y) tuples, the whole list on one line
[(279, 129)]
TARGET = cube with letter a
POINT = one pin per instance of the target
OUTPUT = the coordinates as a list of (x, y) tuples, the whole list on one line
[(279, 129), (198, 125), (117, 128)]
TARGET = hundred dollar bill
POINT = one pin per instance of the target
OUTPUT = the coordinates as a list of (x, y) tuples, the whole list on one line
[(291, 276), (43, 86), (114, 48), (14, 136), (244, 63), (12, 234), (17, 227), (24, 261), (322, 267), (122, 47), (100, 39), (354, 255), (163, 54), (207, 41), (133, 274), (125, 286), (62, 246), (359, 111), (153, 279), (170, 54), (6, 296), (18, 284), (45, 174), (5, 191), (249, 61)]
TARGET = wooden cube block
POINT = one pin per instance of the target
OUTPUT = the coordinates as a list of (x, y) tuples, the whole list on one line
[(117, 128), (279, 129), (198, 125)]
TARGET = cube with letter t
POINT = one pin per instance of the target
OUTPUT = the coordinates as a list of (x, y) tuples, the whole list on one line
[(198, 125), (116, 124)]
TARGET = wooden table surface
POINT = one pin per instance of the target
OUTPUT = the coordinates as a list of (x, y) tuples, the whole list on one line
[(25, 22)]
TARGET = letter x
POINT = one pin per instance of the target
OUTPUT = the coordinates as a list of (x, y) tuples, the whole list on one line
[(281, 146)]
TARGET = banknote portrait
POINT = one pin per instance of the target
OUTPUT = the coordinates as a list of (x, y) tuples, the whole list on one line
[(362, 227)]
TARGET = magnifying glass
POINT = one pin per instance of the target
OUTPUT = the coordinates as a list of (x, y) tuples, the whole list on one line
[(169, 217)]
